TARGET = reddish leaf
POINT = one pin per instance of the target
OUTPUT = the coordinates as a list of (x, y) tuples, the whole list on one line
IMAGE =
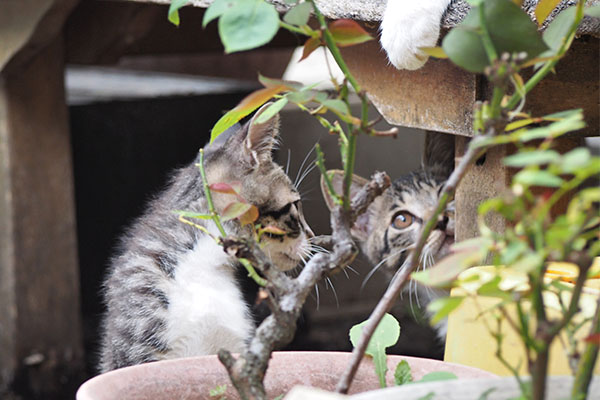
[(249, 216), (347, 32), (235, 210), (311, 45), (593, 338), (225, 188), (245, 107)]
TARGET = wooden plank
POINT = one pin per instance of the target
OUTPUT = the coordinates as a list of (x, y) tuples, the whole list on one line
[(40, 338), (437, 97), (440, 96), (27, 26)]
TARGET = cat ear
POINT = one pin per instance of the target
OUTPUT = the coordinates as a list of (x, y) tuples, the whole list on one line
[(438, 153), (360, 229), (261, 137)]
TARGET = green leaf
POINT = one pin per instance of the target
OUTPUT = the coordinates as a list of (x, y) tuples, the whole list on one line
[(347, 32), (437, 376), (216, 9), (173, 14), (544, 8), (299, 15), (247, 25), (593, 11), (464, 48), (510, 29), (270, 111), (492, 289), (189, 214), (557, 31), (403, 373), (234, 210), (521, 123), (575, 159), (386, 334), (536, 157), (448, 268), (336, 105), (537, 178), (436, 52), (528, 263), (513, 251), (440, 308), (245, 107)]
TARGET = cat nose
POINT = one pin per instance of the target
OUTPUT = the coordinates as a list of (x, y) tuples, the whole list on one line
[(441, 225)]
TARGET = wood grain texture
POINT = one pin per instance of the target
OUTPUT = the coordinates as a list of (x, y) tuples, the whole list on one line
[(39, 300), (437, 97)]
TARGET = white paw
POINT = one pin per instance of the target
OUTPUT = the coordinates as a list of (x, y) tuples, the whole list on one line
[(407, 26)]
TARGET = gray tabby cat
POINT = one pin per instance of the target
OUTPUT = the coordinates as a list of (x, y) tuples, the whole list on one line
[(172, 291), (390, 227)]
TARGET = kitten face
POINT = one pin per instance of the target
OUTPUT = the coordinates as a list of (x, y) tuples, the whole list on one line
[(264, 184), (395, 220)]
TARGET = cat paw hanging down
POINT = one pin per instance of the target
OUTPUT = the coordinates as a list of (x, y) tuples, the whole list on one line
[(407, 26)]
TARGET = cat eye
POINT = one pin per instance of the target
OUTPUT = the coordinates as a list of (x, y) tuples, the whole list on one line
[(402, 220)]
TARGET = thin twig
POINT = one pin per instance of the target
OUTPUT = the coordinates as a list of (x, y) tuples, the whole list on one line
[(396, 285)]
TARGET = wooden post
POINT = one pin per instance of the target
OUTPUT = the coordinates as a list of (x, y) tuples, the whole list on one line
[(40, 330)]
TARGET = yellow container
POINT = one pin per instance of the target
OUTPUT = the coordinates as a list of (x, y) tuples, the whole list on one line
[(469, 341)]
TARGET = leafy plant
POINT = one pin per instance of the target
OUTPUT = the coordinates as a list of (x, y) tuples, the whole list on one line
[(386, 335), (499, 40)]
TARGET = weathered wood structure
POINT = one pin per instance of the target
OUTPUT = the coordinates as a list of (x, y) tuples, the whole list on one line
[(40, 329)]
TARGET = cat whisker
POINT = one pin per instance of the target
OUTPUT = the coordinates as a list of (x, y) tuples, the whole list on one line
[(374, 269), (317, 294), (302, 165), (305, 174), (337, 303), (349, 267), (287, 164)]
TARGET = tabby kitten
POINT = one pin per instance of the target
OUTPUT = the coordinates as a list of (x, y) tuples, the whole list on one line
[(172, 291), (390, 227)]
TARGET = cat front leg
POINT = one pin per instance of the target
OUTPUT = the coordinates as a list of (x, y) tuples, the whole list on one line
[(407, 26)]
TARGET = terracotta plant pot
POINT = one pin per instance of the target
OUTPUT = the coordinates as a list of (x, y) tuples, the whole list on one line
[(193, 378)]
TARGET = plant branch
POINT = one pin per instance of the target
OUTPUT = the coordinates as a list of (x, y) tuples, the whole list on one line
[(211, 207), (287, 295), (400, 279), (585, 369)]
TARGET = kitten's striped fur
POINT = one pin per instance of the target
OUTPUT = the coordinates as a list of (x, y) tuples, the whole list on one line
[(171, 291), (410, 200)]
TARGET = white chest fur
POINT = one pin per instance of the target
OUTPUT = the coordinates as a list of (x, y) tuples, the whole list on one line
[(206, 308)]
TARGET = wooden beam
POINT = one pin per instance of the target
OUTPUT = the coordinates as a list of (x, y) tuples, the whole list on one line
[(440, 96), (437, 97), (27, 26), (101, 32), (40, 335)]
